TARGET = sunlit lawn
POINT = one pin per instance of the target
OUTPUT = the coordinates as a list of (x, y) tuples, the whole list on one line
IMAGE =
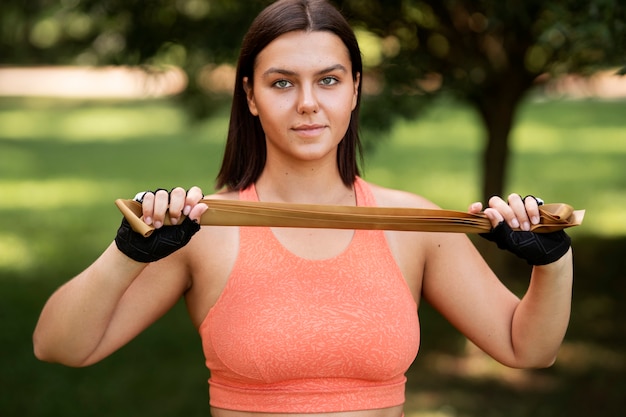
[(62, 166)]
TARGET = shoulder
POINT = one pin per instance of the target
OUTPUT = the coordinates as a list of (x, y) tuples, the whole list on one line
[(223, 195), (410, 249), (389, 197)]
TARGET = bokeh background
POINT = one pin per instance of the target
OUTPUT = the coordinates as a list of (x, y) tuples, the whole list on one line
[(463, 99)]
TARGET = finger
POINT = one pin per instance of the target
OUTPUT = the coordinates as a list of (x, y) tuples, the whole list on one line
[(197, 211), (161, 204), (148, 207), (493, 210), (475, 207), (177, 203), (520, 219), (494, 216), (500, 210), (532, 209), (194, 195)]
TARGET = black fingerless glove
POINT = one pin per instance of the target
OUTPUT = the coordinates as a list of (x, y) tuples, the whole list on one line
[(161, 243), (534, 248)]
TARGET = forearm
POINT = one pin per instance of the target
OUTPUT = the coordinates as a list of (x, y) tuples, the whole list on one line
[(541, 319), (77, 315)]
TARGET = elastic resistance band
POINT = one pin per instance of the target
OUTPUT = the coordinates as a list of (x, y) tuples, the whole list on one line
[(554, 217)]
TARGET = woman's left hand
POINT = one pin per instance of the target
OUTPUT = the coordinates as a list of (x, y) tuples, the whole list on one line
[(519, 213), (510, 230)]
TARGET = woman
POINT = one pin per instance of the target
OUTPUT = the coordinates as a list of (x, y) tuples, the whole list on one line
[(310, 321)]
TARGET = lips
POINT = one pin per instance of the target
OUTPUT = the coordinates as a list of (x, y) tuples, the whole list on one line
[(309, 130)]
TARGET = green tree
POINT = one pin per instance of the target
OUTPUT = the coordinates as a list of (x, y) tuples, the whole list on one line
[(488, 53), (191, 34)]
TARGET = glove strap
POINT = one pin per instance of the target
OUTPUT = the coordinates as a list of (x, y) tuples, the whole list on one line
[(534, 248), (158, 245)]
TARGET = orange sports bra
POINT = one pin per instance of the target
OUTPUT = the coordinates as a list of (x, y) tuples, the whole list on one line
[(294, 335)]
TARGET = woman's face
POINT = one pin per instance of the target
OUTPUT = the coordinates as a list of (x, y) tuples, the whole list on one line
[(303, 93)]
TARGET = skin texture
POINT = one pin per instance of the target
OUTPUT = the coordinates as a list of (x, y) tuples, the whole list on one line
[(303, 92)]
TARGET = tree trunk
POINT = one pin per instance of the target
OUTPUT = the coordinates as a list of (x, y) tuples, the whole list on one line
[(498, 121), (497, 108)]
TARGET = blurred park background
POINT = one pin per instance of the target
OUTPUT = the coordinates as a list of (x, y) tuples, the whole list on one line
[(462, 100)]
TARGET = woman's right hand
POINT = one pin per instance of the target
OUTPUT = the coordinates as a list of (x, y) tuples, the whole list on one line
[(164, 240), (178, 202)]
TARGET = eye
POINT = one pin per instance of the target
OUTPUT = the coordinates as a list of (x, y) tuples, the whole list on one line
[(282, 84), (327, 81)]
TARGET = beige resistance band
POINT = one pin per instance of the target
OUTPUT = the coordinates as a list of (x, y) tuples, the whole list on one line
[(245, 213)]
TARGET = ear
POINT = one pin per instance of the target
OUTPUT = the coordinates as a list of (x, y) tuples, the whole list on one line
[(247, 87), (355, 96)]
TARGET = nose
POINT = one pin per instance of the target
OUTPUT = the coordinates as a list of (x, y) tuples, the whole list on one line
[(307, 100)]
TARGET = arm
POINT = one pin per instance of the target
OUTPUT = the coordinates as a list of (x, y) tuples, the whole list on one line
[(518, 333), (102, 309), (112, 301), (541, 318)]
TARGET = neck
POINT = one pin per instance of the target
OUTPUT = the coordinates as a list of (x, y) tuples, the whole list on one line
[(305, 185)]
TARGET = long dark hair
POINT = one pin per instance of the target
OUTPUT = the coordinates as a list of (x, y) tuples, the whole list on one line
[(245, 153)]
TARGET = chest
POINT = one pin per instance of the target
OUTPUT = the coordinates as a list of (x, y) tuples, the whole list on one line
[(313, 243), (282, 317)]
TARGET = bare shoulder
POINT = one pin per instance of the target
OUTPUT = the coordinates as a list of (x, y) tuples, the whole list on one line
[(389, 197), (223, 195)]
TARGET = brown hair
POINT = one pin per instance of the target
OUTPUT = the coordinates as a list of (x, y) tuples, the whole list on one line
[(245, 153)]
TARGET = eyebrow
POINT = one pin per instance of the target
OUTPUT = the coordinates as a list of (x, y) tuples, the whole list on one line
[(274, 70)]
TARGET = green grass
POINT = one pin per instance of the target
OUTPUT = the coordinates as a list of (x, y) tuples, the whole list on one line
[(62, 164), (572, 152)]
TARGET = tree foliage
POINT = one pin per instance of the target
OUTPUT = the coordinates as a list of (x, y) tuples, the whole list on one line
[(487, 53)]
